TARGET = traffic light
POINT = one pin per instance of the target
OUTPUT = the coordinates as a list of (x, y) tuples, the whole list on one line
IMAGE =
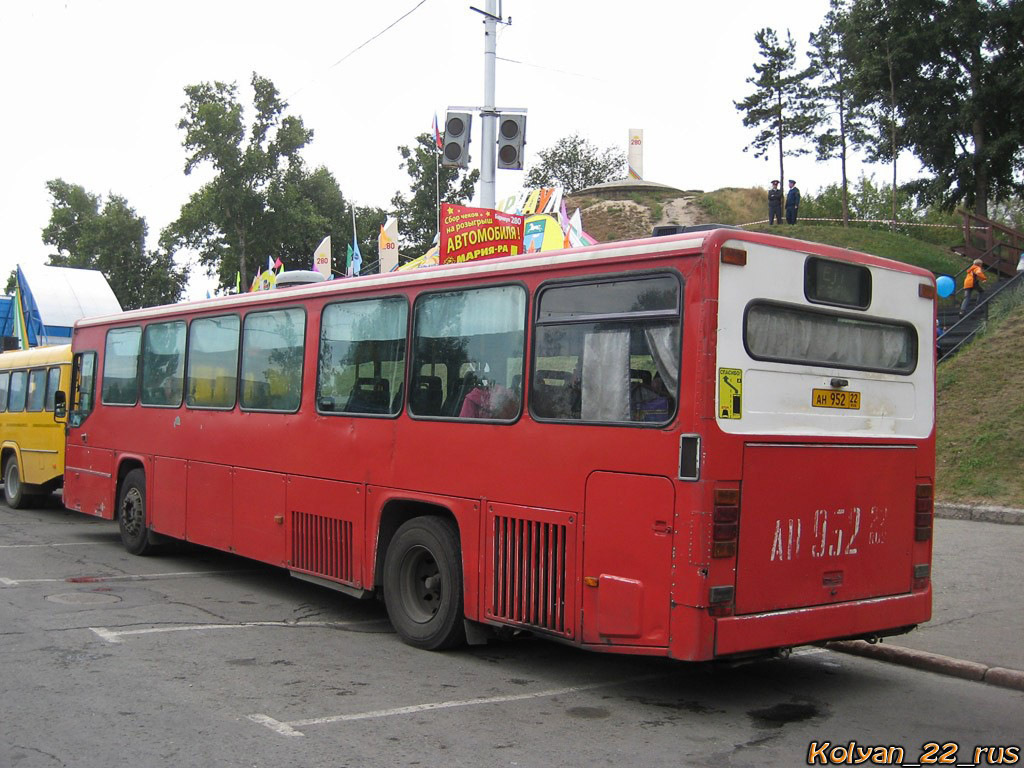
[(456, 140), (511, 140)]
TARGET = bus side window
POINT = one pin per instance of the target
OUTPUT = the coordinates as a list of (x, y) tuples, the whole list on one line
[(5, 379), (477, 337), (362, 357), (273, 343), (608, 351), (83, 387)]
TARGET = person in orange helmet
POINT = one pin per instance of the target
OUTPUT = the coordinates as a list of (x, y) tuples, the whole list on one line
[(972, 285)]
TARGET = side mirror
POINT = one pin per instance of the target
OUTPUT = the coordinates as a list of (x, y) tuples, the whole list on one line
[(60, 405)]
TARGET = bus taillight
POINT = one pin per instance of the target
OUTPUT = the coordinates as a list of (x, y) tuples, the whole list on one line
[(725, 522), (924, 507)]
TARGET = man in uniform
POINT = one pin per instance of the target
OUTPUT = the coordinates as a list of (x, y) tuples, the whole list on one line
[(775, 204), (792, 202)]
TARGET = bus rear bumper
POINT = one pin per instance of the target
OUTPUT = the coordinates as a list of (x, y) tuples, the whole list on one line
[(801, 626)]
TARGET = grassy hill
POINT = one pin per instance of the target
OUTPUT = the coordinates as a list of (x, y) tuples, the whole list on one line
[(980, 415), (980, 419)]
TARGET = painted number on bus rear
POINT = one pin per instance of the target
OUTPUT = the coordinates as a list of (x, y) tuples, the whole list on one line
[(835, 532)]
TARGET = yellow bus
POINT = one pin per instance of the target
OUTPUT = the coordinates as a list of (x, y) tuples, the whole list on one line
[(31, 437)]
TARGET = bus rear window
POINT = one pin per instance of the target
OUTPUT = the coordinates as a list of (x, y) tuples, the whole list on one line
[(800, 336), (836, 283)]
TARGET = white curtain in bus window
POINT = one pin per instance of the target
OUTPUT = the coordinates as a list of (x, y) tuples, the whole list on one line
[(272, 346), (212, 380), (794, 335), (121, 367), (5, 379), (36, 390), (476, 337), (19, 385), (163, 363), (362, 357), (608, 351)]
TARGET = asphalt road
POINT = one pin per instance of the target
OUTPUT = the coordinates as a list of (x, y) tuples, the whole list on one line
[(196, 658)]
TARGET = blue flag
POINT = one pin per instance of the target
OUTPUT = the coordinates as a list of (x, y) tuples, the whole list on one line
[(30, 312), (357, 258)]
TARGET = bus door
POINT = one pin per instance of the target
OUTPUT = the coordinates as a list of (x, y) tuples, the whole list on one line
[(825, 373), (87, 470), (627, 559)]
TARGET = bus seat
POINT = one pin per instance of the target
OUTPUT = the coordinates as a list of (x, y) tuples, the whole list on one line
[(426, 396), (369, 396), (552, 394), (639, 376), (453, 405)]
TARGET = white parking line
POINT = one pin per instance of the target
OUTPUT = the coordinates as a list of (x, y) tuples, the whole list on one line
[(65, 544), (124, 577), (116, 635), (292, 728)]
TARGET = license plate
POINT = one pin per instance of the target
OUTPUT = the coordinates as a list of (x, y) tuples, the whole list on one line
[(834, 398)]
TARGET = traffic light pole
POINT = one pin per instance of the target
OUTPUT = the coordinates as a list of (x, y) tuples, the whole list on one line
[(489, 116)]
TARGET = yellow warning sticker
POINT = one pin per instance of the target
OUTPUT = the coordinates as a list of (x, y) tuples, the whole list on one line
[(730, 393)]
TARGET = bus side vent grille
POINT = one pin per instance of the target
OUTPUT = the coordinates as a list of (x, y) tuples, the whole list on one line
[(529, 573), (322, 546)]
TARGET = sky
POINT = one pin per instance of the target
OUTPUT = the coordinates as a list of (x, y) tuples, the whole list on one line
[(94, 90)]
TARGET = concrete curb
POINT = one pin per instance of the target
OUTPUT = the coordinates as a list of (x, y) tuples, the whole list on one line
[(982, 514), (933, 662)]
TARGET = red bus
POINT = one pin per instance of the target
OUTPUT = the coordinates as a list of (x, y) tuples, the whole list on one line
[(697, 446)]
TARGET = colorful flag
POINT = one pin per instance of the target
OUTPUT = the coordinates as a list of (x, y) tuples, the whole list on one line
[(387, 245), (20, 331), (437, 134), (30, 321), (575, 231), (278, 264), (357, 258), (322, 258), (348, 262)]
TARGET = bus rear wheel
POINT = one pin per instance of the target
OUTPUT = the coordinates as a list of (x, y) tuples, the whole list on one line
[(423, 584), (131, 514), (14, 489)]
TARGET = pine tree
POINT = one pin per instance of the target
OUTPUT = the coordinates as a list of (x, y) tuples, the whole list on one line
[(782, 105)]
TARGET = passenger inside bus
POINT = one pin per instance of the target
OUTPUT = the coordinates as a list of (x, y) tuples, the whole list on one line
[(652, 402)]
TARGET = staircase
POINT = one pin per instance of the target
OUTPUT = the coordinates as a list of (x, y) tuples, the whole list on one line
[(954, 331), (999, 247)]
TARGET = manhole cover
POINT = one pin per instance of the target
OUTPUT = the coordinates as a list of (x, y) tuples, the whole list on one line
[(83, 598)]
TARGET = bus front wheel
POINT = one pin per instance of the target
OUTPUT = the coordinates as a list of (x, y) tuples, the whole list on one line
[(131, 514), (14, 491), (423, 584)]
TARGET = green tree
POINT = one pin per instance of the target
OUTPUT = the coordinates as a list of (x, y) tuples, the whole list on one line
[(418, 213), (231, 221), (842, 125), (574, 163), (110, 237), (952, 71), (308, 206), (782, 106)]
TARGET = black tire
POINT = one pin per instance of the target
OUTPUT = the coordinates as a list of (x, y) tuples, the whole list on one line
[(131, 514), (14, 489), (423, 584)]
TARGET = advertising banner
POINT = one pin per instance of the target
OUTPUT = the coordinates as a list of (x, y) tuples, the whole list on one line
[(478, 233)]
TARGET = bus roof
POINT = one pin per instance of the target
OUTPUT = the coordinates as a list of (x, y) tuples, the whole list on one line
[(687, 242)]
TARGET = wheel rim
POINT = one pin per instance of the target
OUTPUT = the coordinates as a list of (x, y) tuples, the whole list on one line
[(12, 482), (421, 585), (132, 512)]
